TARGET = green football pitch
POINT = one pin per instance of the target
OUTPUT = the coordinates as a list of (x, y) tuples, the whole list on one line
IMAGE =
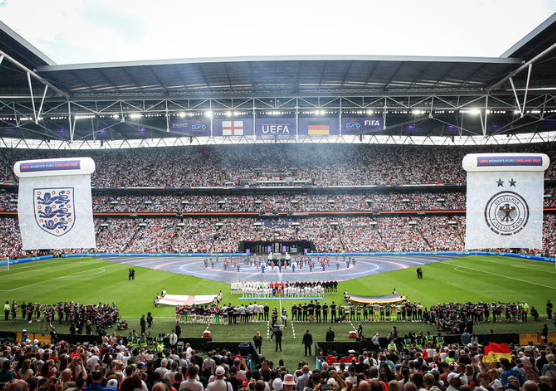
[(89, 281)]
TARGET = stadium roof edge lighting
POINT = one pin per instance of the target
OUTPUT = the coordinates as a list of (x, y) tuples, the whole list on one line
[(549, 22), (19, 40), (207, 60)]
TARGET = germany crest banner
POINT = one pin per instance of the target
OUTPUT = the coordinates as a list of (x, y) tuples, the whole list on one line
[(55, 203), (504, 200)]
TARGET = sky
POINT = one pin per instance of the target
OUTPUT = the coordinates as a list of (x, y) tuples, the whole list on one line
[(93, 31)]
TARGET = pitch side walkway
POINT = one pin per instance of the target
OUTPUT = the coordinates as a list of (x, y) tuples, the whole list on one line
[(365, 266)]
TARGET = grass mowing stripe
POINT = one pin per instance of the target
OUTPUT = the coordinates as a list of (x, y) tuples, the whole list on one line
[(534, 270), (17, 269), (500, 275), (20, 269), (536, 265), (76, 274)]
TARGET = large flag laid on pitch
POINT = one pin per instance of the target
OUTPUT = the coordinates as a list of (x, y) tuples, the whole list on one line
[(55, 204), (504, 200), (494, 352)]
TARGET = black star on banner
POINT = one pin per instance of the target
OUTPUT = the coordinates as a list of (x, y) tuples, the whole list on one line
[(500, 182), (512, 182)]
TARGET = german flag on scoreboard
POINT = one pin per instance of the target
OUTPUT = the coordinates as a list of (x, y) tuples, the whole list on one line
[(494, 352), (318, 128)]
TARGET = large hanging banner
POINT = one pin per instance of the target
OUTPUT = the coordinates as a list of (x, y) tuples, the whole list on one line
[(55, 204), (504, 200)]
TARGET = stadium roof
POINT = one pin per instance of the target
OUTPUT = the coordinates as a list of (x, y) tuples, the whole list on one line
[(229, 77), (34, 89)]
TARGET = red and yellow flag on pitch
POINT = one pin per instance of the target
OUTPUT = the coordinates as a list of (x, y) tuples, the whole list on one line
[(494, 352)]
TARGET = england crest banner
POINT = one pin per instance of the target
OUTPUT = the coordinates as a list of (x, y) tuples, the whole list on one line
[(504, 200), (55, 204)]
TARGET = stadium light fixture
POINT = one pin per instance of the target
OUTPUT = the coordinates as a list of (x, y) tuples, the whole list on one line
[(370, 112), (208, 114), (135, 115), (181, 114), (474, 111), (228, 113), (78, 117)]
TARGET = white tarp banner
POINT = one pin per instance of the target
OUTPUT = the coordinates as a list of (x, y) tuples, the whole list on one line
[(504, 200), (55, 204)]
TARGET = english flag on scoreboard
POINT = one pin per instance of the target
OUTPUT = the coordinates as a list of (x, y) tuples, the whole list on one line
[(232, 128)]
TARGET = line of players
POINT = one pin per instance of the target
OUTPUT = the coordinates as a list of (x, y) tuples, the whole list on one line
[(313, 311), (318, 312), (283, 289), (224, 314), (258, 262)]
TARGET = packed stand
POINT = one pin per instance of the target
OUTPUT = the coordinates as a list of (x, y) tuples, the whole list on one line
[(320, 164), (402, 234), (444, 233), (114, 366), (276, 203), (153, 236), (224, 235)]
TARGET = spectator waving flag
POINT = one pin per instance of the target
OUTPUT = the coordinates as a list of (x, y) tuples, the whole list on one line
[(504, 200), (494, 352), (54, 204)]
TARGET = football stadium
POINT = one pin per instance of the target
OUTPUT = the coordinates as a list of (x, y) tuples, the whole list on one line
[(333, 222)]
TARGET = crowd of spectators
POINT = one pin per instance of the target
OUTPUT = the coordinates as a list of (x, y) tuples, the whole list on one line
[(372, 202), (157, 238), (112, 365), (395, 201), (320, 164), (328, 234)]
